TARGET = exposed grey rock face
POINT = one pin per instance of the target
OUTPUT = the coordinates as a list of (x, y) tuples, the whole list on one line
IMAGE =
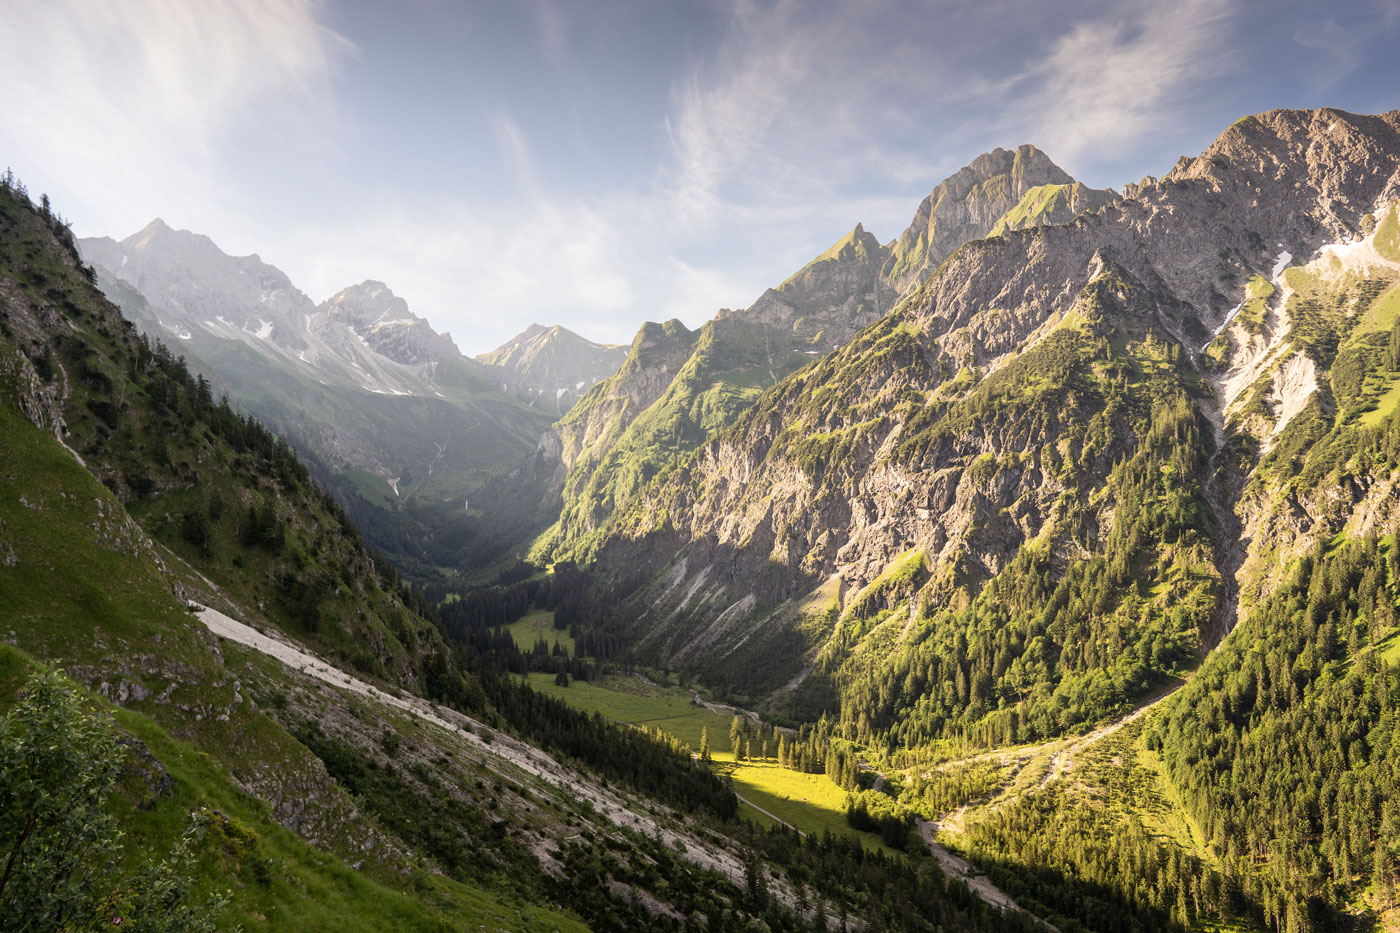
[(965, 207), (757, 516), (195, 290), (551, 367), (383, 321)]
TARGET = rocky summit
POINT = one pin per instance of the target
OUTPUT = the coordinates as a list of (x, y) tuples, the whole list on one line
[(552, 366)]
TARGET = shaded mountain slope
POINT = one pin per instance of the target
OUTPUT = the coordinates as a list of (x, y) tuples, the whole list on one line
[(402, 427)]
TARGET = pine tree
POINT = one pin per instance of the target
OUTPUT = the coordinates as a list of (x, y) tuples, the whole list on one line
[(705, 744)]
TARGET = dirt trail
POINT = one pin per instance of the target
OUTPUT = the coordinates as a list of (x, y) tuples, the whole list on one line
[(771, 815), (1063, 761), (959, 868)]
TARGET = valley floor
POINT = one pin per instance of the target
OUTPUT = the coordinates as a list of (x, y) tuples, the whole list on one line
[(1109, 769)]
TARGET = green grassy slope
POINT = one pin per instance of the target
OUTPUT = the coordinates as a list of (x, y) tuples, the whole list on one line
[(80, 587), (725, 374)]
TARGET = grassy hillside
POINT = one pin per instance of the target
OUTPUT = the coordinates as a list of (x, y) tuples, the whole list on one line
[(277, 881), (82, 586)]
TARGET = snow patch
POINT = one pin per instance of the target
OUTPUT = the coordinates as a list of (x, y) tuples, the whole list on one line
[(1284, 258), (124, 260), (580, 384), (1216, 333), (1343, 250), (264, 330), (559, 394)]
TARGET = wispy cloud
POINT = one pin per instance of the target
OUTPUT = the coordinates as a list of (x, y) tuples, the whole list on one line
[(137, 95), (800, 99), (516, 151), (1115, 78)]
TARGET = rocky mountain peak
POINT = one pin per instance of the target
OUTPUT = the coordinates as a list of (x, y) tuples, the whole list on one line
[(185, 245), (1348, 159), (550, 367), (366, 303), (966, 206), (382, 319)]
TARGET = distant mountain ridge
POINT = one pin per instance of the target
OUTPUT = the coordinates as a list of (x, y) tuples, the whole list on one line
[(403, 427), (551, 367), (195, 288)]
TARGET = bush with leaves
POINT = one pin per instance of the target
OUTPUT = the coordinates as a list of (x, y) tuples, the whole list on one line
[(60, 848)]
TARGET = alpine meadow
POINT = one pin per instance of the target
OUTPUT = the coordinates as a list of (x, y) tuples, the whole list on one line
[(1036, 568)]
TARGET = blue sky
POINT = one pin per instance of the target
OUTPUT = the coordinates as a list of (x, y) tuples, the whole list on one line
[(598, 164)]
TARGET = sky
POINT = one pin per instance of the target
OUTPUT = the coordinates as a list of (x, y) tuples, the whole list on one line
[(600, 163)]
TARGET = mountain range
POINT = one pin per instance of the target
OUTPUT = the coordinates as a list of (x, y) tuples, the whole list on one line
[(1051, 543), (677, 388), (395, 419)]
